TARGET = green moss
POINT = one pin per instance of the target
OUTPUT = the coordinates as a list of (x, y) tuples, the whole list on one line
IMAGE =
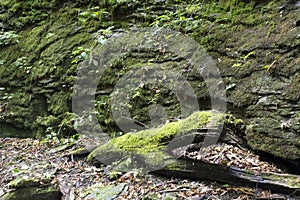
[(7, 130), (196, 121), (147, 140), (153, 139), (152, 143), (176, 166), (23, 182), (40, 64), (281, 147), (58, 103), (106, 192), (22, 13), (34, 193), (37, 72), (291, 181), (78, 151)]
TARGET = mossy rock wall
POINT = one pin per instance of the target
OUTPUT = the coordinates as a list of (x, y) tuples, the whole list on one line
[(39, 57), (255, 45)]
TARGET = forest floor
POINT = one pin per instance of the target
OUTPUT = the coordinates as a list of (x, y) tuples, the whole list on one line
[(46, 162)]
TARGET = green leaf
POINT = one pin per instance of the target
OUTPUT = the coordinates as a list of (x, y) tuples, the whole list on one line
[(236, 65)]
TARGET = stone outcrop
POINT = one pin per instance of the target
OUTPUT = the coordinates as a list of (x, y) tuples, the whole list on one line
[(255, 45)]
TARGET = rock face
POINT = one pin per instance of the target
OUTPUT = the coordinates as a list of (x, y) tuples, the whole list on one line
[(25, 187), (255, 45), (266, 84)]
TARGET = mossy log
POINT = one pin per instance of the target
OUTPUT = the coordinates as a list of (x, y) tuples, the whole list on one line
[(153, 148), (161, 151)]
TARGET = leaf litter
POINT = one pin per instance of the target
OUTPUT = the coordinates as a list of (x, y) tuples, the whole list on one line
[(37, 161)]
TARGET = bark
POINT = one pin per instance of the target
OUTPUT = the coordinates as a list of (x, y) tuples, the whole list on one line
[(200, 170)]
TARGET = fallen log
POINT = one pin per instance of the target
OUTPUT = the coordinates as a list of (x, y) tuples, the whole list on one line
[(200, 170), (162, 151)]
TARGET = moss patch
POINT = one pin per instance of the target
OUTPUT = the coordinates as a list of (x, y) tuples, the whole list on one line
[(151, 144)]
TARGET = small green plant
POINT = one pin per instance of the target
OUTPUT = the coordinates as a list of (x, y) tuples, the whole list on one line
[(49, 35), (95, 13), (67, 124), (79, 54), (184, 19), (16, 171), (114, 174), (270, 68), (236, 65), (252, 53), (101, 35), (189, 17), (23, 64), (8, 38), (51, 135)]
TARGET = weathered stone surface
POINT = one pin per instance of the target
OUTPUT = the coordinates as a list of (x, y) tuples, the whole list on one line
[(34, 193), (255, 44), (109, 192), (25, 187)]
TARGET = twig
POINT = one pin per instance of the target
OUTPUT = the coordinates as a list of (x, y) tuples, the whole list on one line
[(174, 190)]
